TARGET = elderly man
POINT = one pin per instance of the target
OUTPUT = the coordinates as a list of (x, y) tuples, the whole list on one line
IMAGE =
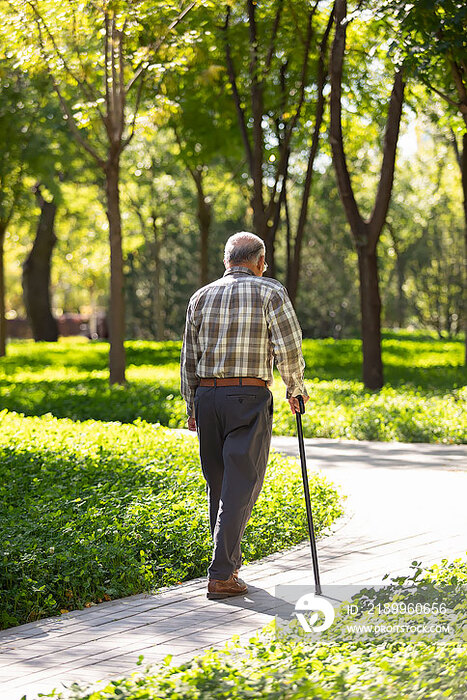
[(235, 328)]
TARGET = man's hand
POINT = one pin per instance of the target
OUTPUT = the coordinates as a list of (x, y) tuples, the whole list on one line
[(192, 424), (294, 405)]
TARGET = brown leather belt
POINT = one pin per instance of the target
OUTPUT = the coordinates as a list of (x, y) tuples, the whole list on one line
[(233, 381)]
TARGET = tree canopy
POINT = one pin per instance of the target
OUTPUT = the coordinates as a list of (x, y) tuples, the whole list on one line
[(159, 129)]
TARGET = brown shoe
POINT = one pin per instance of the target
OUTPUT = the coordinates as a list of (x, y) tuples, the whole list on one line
[(218, 589)]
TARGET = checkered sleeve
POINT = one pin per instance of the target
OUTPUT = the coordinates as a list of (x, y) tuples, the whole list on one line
[(188, 363), (286, 338)]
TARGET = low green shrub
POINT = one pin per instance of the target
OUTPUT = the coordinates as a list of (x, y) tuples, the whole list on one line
[(346, 410), (94, 510), (331, 666)]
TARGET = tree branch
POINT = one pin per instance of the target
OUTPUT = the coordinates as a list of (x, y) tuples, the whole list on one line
[(135, 112), (335, 136), (383, 195), (154, 47), (455, 146), (285, 146), (236, 94), (65, 106), (275, 27), (461, 88), (443, 95), (113, 68), (185, 160), (83, 84), (457, 75), (298, 28), (256, 93), (121, 79), (304, 73), (319, 113), (94, 95), (106, 62)]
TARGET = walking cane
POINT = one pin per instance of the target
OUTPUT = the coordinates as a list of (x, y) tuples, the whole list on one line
[(301, 447)]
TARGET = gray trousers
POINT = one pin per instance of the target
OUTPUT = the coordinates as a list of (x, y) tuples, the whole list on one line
[(234, 425)]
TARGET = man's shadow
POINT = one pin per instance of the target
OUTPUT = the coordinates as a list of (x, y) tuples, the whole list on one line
[(283, 606), (259, 600)]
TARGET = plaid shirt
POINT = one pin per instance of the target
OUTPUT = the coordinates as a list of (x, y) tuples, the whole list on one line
[(235, 327)]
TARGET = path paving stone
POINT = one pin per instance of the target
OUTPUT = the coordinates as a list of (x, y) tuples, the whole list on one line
[(404, 503)]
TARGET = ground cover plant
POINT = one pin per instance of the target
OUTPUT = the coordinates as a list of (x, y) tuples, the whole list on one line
[(424, 399), (333, 666), (92, 511)]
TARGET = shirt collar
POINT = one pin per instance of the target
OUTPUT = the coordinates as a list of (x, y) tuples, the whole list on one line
[(239, 268)]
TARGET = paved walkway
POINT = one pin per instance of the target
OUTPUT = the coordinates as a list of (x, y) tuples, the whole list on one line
[(404, 502)]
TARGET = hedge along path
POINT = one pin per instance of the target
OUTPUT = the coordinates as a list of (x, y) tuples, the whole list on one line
[(96, 511)]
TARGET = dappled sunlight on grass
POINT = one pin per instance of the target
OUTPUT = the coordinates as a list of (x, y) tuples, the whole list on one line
[(423, 398)]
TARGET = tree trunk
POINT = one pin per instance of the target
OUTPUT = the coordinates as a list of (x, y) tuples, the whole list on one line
[(36, 276), (322, 75), (288, 241), (265, 219), (370, 306), (400, 267), (366, 234), (257, 110), (117, 304), (401, 300), (158, 308), (131, 306), (2, 292), (464, 189), (204, 218), (204, 214), (293, 267)]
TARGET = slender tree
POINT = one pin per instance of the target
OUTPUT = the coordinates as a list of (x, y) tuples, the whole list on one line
[(98, 56), (17, 148), (146, 206), (36, 273), (197, 172), (295, 248), (203, 120), (432, 38), (366, 232), (277, 71)]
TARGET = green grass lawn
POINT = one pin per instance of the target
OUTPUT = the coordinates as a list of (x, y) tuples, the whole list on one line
[(127, 512), (424, 398), (92, 511), (100, 501)]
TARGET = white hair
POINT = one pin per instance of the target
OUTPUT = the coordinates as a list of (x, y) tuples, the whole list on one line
[(244, 247)]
